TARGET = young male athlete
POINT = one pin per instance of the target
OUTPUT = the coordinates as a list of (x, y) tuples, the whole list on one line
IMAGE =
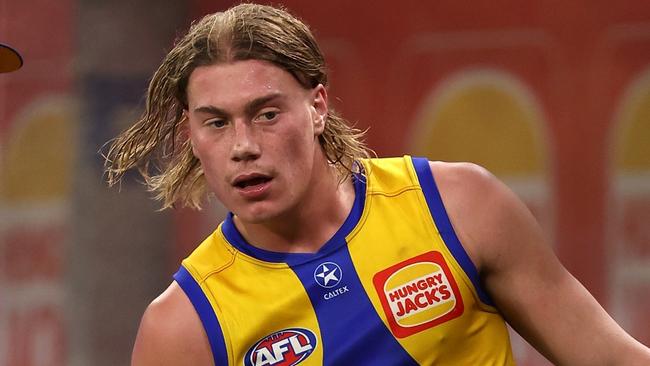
[(329, 257)]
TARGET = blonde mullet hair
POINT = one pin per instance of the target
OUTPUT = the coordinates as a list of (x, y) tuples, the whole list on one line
[(157, 145)]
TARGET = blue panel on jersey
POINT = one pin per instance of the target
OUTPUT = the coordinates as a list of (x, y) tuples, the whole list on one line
[(351, 330), (437, 208), (206, 314)]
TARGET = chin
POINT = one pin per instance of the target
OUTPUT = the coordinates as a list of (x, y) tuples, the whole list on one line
[(255, 215)]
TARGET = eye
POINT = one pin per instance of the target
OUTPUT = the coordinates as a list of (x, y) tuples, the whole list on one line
[(216, 123), (267, 116)]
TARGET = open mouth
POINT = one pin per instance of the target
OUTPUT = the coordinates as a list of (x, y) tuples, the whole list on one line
[(251, 182)]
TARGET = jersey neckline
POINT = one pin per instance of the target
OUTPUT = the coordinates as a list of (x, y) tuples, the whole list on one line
[(235, 238)]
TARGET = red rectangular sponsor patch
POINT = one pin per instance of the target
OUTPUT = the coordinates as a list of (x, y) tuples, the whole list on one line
[(418, 293)]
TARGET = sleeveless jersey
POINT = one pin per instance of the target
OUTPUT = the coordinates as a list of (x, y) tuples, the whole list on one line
[(393, 286)]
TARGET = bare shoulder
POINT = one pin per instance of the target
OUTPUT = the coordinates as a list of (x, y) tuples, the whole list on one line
[(482, 210), (497, 230), (171, 333), (462, 180)]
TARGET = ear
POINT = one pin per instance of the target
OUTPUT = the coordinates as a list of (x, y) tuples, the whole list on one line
[(184, 131), (319, 109)]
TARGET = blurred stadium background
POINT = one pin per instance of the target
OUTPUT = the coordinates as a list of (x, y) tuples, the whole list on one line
[(552, 96)]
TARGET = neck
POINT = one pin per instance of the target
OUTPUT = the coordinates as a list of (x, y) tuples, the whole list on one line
[(306, 228)]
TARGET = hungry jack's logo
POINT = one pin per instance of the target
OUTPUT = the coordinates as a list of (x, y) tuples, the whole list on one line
[(418, 293)]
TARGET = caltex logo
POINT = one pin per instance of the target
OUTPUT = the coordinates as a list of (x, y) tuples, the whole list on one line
[(328, 274)]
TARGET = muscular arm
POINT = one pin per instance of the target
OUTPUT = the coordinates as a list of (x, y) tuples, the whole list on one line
[(171, 333), (531, 288)]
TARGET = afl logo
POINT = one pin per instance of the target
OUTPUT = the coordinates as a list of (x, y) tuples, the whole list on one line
[(328, 274), (286, 347)]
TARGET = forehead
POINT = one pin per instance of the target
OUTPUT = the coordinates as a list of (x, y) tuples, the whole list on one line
[(228, 84)]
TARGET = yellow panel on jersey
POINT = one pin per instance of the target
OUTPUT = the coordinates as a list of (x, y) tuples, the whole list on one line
[(393, 286), (431, 298)]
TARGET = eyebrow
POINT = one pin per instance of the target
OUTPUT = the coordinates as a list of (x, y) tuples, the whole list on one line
[(250, 107)]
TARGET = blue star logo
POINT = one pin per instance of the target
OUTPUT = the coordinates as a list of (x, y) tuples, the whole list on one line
[(328, 274)]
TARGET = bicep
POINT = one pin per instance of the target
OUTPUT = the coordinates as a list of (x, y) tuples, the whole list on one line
[(535, 293), (544, 302), (171, 333)]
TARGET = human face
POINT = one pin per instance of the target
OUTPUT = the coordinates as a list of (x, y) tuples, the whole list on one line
[(255, 130)]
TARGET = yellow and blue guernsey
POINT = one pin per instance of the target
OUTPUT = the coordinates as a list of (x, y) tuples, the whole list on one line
[(393, 286)]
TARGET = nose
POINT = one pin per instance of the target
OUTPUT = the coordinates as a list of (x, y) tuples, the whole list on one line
[(245, 145)]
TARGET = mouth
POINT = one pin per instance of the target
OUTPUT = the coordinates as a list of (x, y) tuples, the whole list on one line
[(250, 181)]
